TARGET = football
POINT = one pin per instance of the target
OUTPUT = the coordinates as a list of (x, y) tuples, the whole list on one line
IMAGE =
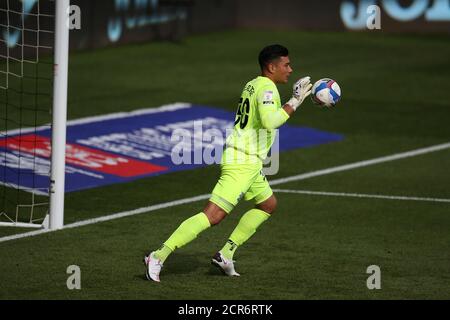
[(326, 92)]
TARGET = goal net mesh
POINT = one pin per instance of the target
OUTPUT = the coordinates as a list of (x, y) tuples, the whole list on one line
[(26, 90)]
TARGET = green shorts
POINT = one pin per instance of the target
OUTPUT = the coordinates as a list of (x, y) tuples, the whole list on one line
[(240, 180)]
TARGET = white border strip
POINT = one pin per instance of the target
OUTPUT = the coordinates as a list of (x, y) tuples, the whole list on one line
[(117, 115), (206, 196), (35, 191), (360, 195)]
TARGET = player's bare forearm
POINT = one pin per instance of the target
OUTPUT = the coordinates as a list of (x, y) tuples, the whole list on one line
[(289, 110)]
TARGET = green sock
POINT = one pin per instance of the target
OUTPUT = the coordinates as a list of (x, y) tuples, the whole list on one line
[(246, 227), (186, 232), (228, 249), (163, 252)]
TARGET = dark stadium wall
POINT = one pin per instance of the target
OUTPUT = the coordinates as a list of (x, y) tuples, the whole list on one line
[(211, 15), (405, 16), (117, 22), (288, 14), (113, 22)]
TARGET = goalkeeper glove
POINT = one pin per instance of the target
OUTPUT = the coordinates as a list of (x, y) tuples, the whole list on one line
[(301, 89)]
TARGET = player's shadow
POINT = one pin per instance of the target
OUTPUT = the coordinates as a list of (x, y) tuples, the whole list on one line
[(181, 263), (215, 272)]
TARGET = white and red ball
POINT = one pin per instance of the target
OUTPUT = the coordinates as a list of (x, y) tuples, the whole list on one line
[(326, 92)]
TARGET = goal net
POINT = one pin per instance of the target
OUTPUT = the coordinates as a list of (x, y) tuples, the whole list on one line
[(28, 93)]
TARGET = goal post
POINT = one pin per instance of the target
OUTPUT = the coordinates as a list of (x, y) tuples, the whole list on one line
[(59, 120), (34, 53)]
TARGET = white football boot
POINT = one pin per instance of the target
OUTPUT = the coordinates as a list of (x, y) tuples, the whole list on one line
[(225, 265), (153, 267)]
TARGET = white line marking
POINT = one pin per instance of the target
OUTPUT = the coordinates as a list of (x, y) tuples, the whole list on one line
[(110, 217), (117, 115), (206, 196), (362, 163), (360, 195)]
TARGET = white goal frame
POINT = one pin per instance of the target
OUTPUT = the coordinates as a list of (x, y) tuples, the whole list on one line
[(55, 219), (59, 121)]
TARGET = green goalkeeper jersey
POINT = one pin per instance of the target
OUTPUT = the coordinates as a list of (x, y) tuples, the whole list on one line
[(258, 116)]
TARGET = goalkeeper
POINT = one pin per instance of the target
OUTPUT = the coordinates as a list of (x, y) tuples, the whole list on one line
[(259, 114)]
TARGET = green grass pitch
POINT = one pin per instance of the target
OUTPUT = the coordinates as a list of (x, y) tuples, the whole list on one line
[(395, 98)]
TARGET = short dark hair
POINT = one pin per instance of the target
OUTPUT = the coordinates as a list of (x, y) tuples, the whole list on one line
[(271, 53)]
